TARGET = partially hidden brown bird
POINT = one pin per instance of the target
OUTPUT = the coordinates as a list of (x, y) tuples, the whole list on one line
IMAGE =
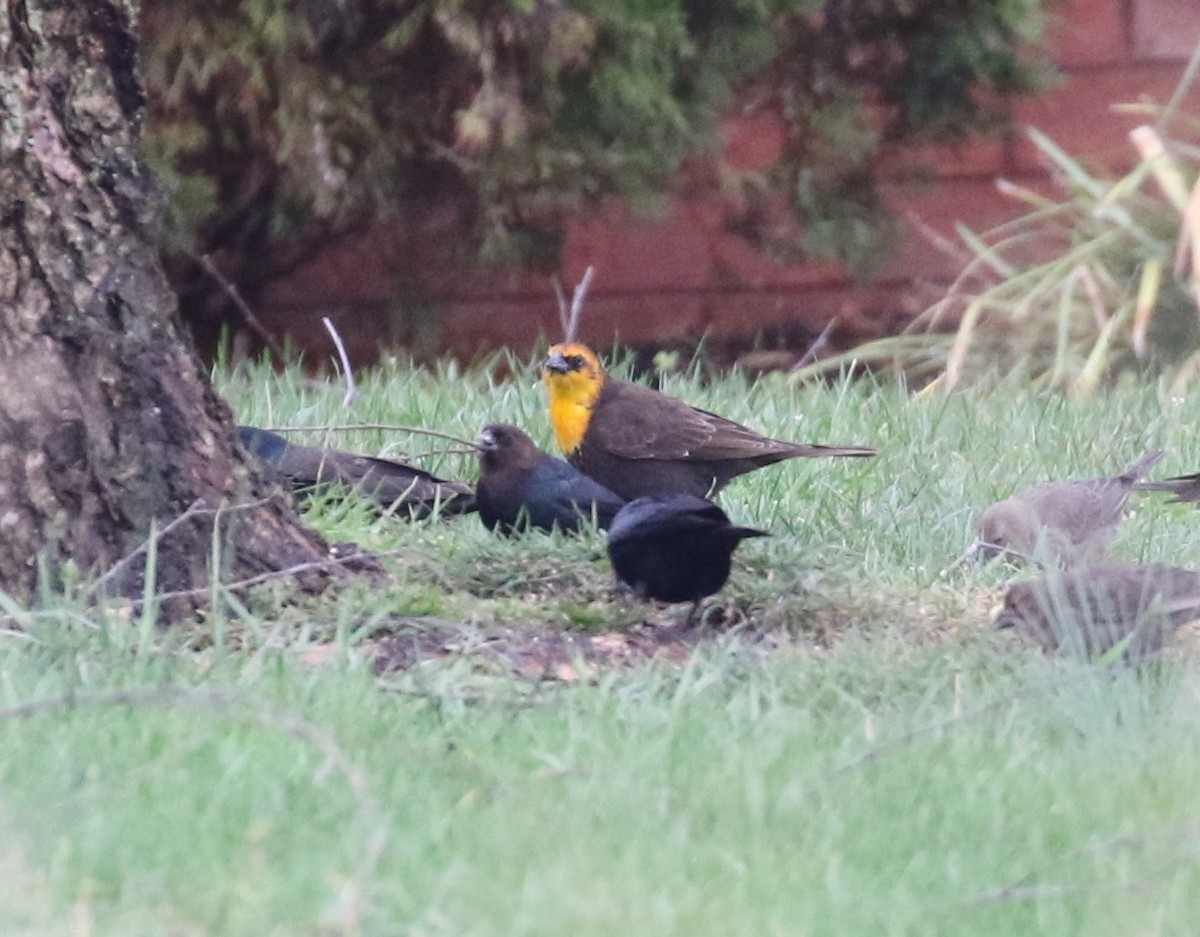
[(1092, 610), (388, 483), (520, 487), (638, 442), (1064, 523)]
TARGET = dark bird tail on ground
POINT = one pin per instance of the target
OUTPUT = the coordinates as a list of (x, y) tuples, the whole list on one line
[(389, 483), (1184, 487)]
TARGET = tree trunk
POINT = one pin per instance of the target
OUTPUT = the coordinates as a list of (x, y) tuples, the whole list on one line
[(108, 422)]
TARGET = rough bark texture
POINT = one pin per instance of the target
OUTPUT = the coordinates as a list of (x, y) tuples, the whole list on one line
[(107, 420)]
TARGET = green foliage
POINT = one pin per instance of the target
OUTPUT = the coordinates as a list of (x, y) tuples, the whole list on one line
[(1102, 278), (284, 120)]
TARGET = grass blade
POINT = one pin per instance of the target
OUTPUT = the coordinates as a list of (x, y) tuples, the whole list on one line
[(1149, 284)]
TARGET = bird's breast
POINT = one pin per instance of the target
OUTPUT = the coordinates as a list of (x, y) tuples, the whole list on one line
[(570, 421)]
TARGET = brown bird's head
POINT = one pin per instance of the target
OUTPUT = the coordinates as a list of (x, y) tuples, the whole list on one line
[(505, 446), (574, 378), (1022, 612), (1008, 527), (1013, 528)]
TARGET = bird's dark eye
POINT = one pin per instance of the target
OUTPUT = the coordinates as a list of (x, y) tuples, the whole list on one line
[(575, 362)]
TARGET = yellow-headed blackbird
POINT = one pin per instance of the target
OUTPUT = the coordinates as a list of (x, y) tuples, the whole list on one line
[(637, 442), (1066, 523), (387, 482), (1091, 610), (674, 548), (521, 486)]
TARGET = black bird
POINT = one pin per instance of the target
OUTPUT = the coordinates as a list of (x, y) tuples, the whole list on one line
[(387, 482), (520, 486), (674, 548), (1090, 610)]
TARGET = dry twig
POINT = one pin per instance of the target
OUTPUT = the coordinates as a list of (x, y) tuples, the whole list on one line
[(390, 427), (332, 562), (195, 509), (243, 307), (347, 371), (569, 318), (818, 346)]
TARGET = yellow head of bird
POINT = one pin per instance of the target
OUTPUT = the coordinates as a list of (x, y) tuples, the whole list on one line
[(574, 378)]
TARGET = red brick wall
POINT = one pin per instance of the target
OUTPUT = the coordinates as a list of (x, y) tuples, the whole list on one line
[(681, 274)]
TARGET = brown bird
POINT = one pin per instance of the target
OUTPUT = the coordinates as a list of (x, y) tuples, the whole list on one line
[(1067, 523), (387, 482), (522, 486), (1091, 610), (1184, 487), (637, 442)]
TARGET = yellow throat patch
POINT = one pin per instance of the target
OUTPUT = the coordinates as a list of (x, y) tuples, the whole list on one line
[(574, 379)]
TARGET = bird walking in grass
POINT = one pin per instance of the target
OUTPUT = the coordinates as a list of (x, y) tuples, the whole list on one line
[(674, 548), (1065, 523), (1091, 611), (639, 442), (390, 484), (520, 486)]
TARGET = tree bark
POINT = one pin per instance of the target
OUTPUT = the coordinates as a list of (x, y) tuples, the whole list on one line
[(108, 422)]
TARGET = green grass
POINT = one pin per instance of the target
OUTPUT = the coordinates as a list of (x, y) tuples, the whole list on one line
[(862, 755)]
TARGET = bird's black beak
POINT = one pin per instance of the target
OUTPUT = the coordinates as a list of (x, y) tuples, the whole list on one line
[(557, 364)]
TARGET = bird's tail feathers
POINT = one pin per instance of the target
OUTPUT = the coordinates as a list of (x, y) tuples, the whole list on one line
[(1146, 461), (813, 450)]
